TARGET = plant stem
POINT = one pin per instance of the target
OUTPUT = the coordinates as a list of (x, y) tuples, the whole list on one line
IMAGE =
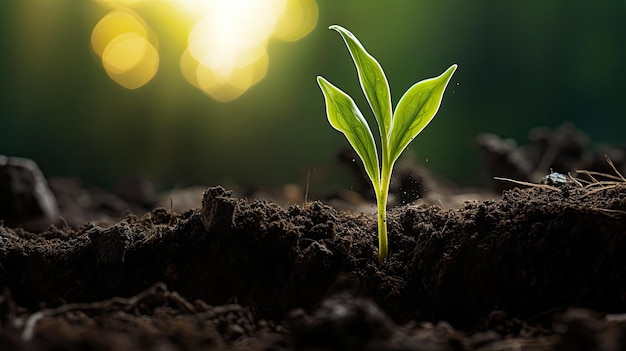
[(381, 200), (382, 192)]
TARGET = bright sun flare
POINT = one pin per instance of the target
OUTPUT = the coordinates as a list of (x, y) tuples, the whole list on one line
[(227, 47)]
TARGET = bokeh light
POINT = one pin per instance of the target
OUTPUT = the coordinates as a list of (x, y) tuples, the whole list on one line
[(125, 44), (226, 47), (130, 60)]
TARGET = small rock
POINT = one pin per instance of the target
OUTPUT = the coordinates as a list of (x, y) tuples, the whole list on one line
[(217, 209), (24, 193)]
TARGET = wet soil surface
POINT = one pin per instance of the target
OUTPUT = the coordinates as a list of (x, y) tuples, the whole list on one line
[(536, 268)]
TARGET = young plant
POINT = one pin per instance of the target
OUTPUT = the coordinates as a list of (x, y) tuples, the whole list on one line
[(397, 129)]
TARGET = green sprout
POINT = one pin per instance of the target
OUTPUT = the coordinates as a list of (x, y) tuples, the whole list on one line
[(397, 129)]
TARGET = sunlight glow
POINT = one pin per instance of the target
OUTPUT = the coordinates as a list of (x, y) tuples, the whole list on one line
[(219, 85), (227, 43), (118, 3), (298, 20)]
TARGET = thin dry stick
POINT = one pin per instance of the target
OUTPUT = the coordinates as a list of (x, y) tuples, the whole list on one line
[(591, 192), (608, 160), (607, 210), (308, 182), (573, 179), (619, 177), (544, 186), (603, 184), (590, 174)]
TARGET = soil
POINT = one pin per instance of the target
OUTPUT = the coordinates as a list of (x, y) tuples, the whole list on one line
[(537, 267)]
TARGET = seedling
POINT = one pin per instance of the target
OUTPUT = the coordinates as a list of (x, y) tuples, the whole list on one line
[(397, 129)]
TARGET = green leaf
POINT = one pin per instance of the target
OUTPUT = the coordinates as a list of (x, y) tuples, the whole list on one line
[(372, 79), (415, 110), (344, 115)]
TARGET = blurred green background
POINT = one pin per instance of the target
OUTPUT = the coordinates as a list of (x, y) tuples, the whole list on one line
[(522, 63)]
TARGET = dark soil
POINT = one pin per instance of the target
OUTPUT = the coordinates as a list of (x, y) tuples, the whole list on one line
[(538, 268)]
